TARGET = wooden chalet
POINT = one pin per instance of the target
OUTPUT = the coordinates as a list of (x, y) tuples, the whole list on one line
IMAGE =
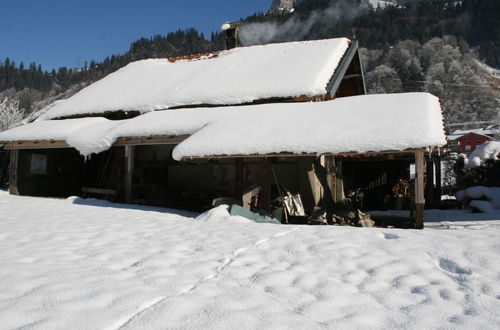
[(157, 133)]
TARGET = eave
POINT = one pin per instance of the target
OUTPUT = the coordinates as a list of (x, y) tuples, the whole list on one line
[(58, 144)]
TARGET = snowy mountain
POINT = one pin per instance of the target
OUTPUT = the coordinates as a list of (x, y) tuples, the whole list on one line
[(284, 6), (380, 3)]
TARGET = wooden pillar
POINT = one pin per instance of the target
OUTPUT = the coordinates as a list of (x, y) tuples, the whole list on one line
[(438, 191), (238, 178), (429, 183), (339, 182), (420, 189), (13, 168), (323, 170), (265, 202), (129, 170), (330, 174)]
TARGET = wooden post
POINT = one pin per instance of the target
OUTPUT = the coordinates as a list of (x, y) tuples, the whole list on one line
[(265, 202), (14, 161), (315, 184), (438, 191), (238, 179), (429, 183), (420, 188), (129, 170), (339, 182)]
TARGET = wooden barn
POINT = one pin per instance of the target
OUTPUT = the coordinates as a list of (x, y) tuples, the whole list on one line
[(248, 124)]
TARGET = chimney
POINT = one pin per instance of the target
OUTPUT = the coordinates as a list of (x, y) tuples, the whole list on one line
[(231, 35)]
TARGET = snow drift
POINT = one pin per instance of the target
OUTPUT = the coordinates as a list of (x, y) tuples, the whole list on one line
[(482, 198), (487, 150)]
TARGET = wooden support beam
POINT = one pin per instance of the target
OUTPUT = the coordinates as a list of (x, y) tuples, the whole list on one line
[(129, 170), (36, 144), (429, 182), (159, 139), (351, 76), (420, 189), (14, 162), (406, 152), (331, 177), (439, 189), (49, 144), (266, 178), (238, 179), (339, 182)]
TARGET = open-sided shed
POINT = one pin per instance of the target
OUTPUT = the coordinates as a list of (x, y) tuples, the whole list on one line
[(178, 156)]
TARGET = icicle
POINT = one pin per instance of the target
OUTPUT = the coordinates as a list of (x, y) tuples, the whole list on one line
[(429, 152)]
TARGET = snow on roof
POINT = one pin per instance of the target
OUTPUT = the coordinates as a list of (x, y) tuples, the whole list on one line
[(479, 131), (237, 76), (352, 124)]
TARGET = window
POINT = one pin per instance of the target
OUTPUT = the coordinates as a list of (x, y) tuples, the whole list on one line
[(38, 164), (467, 148), (467, 141), (479, 141)]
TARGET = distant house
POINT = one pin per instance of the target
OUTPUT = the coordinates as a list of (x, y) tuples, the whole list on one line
[(251, 120), (466, 141), (469, 142)]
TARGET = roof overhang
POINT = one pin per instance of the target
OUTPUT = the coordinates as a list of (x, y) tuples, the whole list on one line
[(132, 140), (350, 125), (347, 155)]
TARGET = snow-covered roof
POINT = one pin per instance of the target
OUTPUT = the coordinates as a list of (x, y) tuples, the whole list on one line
[(367, 123), (486, 132), (238, 76)]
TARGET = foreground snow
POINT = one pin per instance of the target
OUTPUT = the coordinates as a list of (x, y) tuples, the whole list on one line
[(84, 264)]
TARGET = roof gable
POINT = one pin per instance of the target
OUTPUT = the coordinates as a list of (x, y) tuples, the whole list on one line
[(472, 134)]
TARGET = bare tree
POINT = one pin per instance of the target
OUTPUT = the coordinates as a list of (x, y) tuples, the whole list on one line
[(10, 113)]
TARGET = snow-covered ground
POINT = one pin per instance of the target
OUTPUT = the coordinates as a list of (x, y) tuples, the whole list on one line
[(84, 264)]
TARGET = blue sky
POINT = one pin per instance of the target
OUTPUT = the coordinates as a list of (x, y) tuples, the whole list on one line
[(58, 33)]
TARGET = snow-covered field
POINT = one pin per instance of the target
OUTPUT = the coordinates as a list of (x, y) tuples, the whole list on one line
[(83, 264)]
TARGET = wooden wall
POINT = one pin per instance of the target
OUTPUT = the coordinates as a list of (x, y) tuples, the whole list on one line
[(62, 176), (66, 172)]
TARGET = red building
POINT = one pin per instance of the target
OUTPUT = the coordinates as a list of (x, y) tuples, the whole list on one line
[(470, 141)]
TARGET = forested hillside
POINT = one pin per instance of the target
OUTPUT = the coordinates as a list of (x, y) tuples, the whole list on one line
[(414, 45), (475, 21)]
